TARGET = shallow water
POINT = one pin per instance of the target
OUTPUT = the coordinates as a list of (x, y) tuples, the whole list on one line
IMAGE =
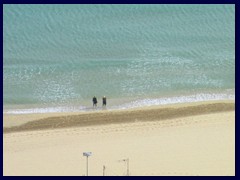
[(57, 57)]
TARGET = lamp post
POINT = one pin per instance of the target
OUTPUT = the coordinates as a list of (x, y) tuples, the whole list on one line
[(104, 168), (87, 154), (127, 160)]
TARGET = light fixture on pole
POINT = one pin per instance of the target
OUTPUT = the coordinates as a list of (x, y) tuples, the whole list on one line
[(87, 154)]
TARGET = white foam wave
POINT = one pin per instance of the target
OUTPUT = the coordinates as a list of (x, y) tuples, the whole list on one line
[(134, 104), (177, 99), (45, 110)]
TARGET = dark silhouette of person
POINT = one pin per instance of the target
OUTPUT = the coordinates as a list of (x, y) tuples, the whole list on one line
[(104, 101), (94, 101)]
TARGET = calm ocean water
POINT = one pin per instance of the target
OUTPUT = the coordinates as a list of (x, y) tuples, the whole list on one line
[(57, 57)]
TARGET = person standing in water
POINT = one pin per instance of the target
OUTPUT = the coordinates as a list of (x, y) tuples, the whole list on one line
[(104, 101), (94, 101)]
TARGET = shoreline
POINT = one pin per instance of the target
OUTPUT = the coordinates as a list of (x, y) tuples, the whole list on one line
[(122, 103), (31, 122)]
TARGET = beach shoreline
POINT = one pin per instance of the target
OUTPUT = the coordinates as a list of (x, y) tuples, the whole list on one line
[(21, 122)]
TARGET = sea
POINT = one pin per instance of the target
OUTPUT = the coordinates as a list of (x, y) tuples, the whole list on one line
[(56, 57)]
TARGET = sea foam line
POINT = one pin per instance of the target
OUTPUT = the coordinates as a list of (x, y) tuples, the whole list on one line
[(175, 100), (134, 104), (45, 110)]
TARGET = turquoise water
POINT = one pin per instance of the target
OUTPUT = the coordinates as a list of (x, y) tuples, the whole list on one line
[(57, 57)]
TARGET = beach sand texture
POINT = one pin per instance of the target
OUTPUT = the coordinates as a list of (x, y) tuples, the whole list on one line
[(182, 139)]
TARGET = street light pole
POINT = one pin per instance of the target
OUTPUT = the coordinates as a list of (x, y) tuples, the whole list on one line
[(87, 166), (128, 167), (127, 160), (104, 170), (87, 154)]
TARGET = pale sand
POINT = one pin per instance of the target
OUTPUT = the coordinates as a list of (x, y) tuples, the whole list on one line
[(184, 139)]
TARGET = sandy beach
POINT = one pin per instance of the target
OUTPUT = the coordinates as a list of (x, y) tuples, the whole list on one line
[(191, 139)]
